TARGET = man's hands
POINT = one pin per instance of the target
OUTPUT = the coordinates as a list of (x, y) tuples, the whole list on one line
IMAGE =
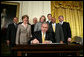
[(35, 41), (69, 40), (8, 42), (61, 42)]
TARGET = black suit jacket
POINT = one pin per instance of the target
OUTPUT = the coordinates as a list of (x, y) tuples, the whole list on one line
[(66, 30), (38, 36), (32, 28), (11, 33), (58, 34), (49, 23)]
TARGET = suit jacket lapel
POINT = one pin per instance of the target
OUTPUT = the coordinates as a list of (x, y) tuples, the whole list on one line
[(46, 37), (14, 26), (52, 28), (40, 36)]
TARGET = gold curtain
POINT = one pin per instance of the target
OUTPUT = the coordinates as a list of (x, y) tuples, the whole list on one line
[(72, 12)]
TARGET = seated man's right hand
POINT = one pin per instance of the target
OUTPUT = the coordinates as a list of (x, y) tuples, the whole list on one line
[(35, 41), (8, 42)]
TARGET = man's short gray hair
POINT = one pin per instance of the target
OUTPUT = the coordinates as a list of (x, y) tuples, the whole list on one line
[(34, 18), (45, 23)]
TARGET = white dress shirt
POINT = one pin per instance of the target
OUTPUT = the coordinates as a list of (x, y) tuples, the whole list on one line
[(61, 22), (54, 24), (49, 21)]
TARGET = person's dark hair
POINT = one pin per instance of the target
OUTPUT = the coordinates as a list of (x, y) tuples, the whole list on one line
[(44, 18), (15, 17), (48, 15), (60, 16), (25, 16)]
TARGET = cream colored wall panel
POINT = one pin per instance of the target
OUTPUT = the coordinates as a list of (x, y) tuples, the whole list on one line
[(47, 8), (33, 9)]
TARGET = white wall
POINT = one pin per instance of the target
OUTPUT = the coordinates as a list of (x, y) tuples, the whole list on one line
[(34, 9)]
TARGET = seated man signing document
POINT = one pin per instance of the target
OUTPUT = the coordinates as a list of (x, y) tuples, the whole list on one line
[(42, 36)]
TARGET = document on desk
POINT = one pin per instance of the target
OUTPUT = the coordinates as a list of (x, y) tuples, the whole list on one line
[(51, 43), (48, 44)]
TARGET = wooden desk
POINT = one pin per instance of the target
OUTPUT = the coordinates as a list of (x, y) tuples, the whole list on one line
[(48, 48)]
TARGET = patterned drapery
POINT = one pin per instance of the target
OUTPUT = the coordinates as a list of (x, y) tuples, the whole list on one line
[(72, 12)]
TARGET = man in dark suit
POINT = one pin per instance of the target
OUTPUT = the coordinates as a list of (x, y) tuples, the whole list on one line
[(42, 36), (11, 33), (49, 19), (33, 25), (66, 29), (57, 31)]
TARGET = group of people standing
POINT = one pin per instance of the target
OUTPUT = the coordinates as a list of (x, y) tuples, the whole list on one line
[(40, 32)]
